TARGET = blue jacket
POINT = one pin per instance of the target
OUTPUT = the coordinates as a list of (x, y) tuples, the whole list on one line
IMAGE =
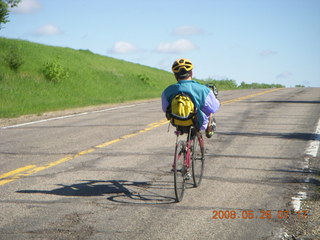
[(202, 96)]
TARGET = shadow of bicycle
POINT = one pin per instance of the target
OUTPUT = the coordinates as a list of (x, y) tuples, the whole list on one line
[(120, 191)]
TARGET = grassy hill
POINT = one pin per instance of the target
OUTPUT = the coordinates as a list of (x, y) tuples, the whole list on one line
[(36, 78), (78, 78)]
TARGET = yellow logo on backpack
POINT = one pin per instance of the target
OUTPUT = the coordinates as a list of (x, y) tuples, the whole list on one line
[(182, 110)]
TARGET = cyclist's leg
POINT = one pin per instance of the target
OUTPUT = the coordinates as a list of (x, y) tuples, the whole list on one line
[(211, 128)]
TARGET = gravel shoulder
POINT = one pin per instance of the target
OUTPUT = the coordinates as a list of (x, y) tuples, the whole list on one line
[(309, 226)]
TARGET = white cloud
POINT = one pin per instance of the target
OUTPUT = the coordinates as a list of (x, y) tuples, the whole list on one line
[(188, 30), (27, 6), (286, 74), (123, 47), (48, 29), (267, 52), (179, 46)]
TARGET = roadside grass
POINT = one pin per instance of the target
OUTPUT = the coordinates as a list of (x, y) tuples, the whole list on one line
[(229, 84), (75, 78)]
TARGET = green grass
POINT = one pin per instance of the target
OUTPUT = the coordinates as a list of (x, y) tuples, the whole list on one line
[(92, 79)]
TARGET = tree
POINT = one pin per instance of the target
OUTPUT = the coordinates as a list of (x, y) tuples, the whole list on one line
[(4, 9)]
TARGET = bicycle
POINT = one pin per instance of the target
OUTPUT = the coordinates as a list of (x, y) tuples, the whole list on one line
[(188, 160)]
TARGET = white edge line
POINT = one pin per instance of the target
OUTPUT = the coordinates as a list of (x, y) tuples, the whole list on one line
[(311, 151), (69, 116), (296, 201), (313, 147)]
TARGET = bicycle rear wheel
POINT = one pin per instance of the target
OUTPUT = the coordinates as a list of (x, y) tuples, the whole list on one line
[(197, 159), (179, 170)]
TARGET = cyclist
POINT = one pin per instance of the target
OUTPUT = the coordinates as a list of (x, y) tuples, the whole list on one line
[(203, 97)]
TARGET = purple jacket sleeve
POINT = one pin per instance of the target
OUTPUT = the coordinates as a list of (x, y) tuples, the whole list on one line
[(212, 104)]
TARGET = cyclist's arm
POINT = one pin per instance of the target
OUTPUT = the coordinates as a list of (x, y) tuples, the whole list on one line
[(211, 105)]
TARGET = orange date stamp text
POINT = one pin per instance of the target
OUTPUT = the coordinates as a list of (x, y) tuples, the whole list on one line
[(262, 214)]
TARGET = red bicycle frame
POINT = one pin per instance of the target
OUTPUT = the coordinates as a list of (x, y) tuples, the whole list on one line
[(187, 160)]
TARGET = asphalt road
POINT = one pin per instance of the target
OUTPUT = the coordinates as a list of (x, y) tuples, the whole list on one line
[(106, 174)]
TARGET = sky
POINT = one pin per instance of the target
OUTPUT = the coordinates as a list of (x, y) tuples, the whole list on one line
[(262, 41)]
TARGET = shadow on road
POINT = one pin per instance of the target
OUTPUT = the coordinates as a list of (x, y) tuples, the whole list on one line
[(121, 191), (287, 101), (299, 136)]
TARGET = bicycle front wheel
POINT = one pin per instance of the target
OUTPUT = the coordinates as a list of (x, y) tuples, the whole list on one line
[(180, 170), (197, 159)]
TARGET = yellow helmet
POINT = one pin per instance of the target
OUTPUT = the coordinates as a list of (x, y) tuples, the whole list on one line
[(182, 63)]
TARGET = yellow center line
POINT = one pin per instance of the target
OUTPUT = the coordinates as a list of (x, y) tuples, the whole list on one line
[(250, 96), (31, 169), (17, 171)]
